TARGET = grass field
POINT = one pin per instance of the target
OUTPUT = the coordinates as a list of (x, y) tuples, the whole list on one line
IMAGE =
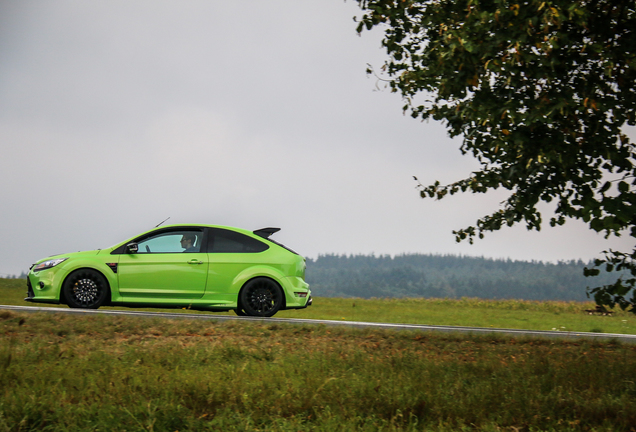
[(75, 373), (515, 314), (89, 373)]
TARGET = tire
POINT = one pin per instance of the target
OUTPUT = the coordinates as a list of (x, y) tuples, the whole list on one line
[(86, 289), (240, 312), (261, 297)]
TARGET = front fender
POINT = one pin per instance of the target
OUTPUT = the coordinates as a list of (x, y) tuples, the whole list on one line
[(47, 284)]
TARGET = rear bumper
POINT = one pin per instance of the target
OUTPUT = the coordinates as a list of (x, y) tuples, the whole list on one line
[(307, 304)]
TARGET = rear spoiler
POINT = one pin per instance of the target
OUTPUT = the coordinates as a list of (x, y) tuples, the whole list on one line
[(266, 232)]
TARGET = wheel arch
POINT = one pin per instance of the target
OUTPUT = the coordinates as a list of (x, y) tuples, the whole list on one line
[(72, 272), (282, 290)]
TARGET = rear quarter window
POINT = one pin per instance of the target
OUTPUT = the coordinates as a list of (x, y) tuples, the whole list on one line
[(225, 241)]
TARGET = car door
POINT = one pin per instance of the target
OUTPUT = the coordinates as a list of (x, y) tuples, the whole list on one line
[(164, 266)]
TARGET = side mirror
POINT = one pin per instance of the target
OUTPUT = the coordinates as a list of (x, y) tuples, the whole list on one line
[(132, 248)]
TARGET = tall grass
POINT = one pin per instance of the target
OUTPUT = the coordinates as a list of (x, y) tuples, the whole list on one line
[(60, 372)]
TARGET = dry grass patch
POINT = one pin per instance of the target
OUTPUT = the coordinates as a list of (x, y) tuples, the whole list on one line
[(62, 372)]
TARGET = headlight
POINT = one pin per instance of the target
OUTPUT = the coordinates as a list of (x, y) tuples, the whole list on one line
[(48, 264)]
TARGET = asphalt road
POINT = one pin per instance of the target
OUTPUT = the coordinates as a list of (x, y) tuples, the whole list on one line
[(353, 324)]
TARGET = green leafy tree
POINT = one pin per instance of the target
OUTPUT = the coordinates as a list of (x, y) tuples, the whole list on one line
[(541, 92)]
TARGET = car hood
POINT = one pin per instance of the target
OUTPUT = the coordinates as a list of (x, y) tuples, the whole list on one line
[(72, 255)]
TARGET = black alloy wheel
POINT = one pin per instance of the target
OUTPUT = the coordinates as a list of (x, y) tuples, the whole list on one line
[(86, 289), (261, 297)]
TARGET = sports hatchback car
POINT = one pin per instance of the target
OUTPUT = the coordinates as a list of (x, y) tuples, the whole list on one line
[(203, 267)]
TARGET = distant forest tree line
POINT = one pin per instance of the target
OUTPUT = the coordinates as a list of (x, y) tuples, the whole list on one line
[(448, 276), (23, 275)]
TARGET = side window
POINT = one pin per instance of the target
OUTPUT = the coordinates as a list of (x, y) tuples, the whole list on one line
[(172, 242), (225, 241)]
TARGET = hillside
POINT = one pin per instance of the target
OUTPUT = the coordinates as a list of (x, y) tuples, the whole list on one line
[(418, 275)]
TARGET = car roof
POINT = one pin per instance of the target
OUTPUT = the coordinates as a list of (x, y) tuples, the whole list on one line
[(243, 230)]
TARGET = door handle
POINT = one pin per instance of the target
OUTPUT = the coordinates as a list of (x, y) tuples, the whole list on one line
[(195, 261)]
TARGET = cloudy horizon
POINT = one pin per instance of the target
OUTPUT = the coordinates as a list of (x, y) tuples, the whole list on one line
[(116, 115)]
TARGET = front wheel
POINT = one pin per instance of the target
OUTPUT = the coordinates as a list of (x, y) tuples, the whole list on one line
[(261, 297), (86, 289)]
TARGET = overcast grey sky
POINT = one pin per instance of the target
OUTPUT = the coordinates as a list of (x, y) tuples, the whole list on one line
[(115, 115)]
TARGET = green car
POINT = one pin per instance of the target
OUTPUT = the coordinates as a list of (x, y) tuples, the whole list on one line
[(203, 267)]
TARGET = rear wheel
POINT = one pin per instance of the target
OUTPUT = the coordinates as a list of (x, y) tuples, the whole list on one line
[(85, 289), (261, 297)]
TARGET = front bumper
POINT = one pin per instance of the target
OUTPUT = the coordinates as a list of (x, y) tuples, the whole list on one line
[(30, 293), (41, 287)]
